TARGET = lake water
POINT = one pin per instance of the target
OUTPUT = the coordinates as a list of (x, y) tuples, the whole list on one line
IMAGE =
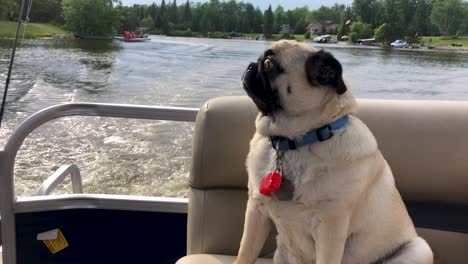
[(152, 157)]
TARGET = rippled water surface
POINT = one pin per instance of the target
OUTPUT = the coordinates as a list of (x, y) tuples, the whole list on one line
[(152, 157)]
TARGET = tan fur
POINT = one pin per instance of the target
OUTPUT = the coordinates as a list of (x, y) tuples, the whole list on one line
[(346, 208)]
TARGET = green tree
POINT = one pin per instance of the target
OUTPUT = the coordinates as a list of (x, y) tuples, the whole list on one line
[(230, 19), (258, 21), (292, 18), (187, 14), (214, 15), (46, 11), (385, 34), (9, 10), (300, 27), (298, 19), (250, 14), (393, 20), (162, 13), (420, 22), (163, 19), (465, 25), (147, 22), (360, 30), (209, 17), (348, 18), (333, 13), (242, 21), (152, 12), (90, 17), (407, 11), (173, 15), (128, 18), (280, 19), (141, 11), (3, 10), (343, 29), (367, 11), (269, 21), (448, 15), (196, 17), (402, 17), (205, 25)]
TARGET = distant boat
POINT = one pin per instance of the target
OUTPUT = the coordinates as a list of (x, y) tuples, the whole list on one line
[(133, 37), (366, 42), (324, 39)]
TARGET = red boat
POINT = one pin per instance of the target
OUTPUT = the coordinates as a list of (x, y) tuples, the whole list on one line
[(130, 36)]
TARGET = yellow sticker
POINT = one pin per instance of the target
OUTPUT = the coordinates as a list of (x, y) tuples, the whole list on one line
[(57, 244)]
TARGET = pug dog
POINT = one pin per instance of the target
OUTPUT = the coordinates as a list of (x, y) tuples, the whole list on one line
[(315, 170)]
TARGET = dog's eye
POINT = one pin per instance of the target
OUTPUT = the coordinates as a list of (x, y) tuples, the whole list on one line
[(268, 65)]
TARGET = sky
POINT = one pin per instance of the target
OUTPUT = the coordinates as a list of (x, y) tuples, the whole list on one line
[(263, 4)]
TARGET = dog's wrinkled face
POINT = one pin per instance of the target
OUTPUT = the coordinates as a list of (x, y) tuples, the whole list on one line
[(292, 77)]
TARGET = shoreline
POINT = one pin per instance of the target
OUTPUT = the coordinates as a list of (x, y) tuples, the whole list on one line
[(342, 44), (353, 46), (339, 44)]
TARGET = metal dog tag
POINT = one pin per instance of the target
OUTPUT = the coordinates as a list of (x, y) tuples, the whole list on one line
[(285, 191)]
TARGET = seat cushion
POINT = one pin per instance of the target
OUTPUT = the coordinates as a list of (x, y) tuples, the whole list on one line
[(424, 143), (216, 259)]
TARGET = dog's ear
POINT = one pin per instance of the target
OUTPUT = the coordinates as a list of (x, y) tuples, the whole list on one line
[(322, 68)]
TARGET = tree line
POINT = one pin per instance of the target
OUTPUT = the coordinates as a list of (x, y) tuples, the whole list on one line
[(390, 19), (384, 19), (219, 16)]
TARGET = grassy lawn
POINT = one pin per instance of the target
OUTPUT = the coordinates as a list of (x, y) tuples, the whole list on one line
[(31, 30), (445, 41)]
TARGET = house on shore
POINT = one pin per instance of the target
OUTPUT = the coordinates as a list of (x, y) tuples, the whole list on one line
[(322, 26)]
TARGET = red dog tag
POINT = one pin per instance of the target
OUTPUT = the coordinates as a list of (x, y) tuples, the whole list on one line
[(270, 183)]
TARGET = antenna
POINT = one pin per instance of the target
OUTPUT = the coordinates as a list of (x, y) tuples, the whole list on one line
[(12, 59)]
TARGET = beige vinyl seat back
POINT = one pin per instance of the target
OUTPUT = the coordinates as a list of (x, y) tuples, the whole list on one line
[(425, 143)]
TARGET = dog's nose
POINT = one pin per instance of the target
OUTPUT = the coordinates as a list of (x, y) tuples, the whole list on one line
[(252, 66), (248, 72), (268, 65)]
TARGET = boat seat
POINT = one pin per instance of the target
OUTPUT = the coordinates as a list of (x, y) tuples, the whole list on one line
[(425, 143), (216, 259)]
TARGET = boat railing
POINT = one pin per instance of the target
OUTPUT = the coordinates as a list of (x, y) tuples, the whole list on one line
[(59, 176), (9, 204)]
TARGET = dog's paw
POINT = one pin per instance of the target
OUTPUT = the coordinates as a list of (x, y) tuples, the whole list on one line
[(263, 124)]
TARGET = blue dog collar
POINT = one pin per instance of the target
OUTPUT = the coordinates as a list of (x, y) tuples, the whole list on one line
[(316, 135)]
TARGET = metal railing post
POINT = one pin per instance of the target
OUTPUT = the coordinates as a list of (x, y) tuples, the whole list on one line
[(7, 213), (59, 176)]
